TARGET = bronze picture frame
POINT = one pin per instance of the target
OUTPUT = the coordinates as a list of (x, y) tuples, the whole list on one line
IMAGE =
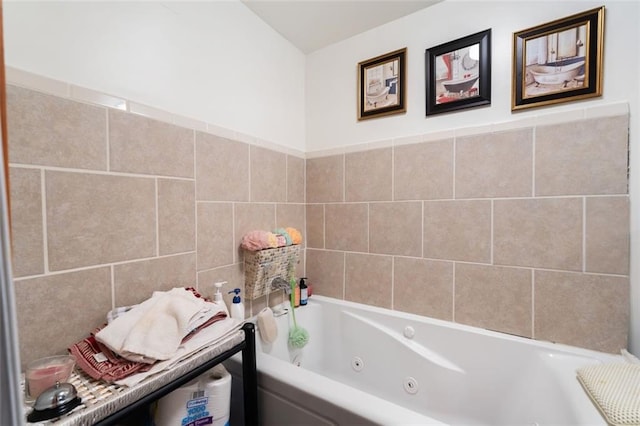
[(560, 61), (458, 74), (382, 85)]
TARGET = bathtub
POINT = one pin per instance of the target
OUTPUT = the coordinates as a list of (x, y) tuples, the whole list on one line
[(368, 365)]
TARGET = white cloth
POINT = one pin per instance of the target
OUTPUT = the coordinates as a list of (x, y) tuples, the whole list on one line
[(153, 330), (205, 337)]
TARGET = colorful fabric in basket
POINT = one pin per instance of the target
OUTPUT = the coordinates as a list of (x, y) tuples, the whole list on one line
[(260, 240)]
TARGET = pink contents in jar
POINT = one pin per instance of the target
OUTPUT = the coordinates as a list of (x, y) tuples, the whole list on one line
[(43, 374)]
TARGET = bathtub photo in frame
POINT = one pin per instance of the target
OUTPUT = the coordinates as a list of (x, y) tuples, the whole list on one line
[(458, 74), (381, 85), (560, 61)]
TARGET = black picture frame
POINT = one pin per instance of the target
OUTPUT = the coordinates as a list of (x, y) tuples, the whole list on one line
[(559, 61), (382, 85), (458, 74)]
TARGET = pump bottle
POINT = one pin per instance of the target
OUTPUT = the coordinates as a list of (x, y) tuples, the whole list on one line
[(237, 308), (217, 297)]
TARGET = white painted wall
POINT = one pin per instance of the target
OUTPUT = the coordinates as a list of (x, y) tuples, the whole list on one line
[(331, 102), (212, 61)]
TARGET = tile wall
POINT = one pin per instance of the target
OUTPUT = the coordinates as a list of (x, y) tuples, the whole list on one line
[(524, 230), (518, 227), (109, 206)]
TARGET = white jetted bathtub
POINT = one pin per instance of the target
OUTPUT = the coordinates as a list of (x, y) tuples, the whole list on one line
[(367, 365)]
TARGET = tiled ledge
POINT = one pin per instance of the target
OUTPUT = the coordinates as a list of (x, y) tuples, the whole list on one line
[(599, 111), (70, 91)]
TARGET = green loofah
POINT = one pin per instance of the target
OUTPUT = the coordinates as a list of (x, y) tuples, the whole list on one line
[(298, 336)]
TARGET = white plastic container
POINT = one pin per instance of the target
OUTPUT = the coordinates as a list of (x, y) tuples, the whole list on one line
[(237, 308), (203, 401)]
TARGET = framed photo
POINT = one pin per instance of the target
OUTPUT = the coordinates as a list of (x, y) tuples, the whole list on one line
[(560, 61), (382, 85), (458, 74)]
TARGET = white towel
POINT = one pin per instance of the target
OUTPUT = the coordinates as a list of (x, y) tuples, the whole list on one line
[(153, 330), (206, 337)]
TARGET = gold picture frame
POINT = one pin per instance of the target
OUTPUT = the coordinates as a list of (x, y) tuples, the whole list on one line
[(382, 85), (560, 61)]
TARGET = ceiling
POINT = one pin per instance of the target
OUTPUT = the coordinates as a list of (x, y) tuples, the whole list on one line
[(313, 24)]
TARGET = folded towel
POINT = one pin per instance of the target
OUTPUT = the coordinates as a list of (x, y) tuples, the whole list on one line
[(206, 337), (100, 363), (153, 330)]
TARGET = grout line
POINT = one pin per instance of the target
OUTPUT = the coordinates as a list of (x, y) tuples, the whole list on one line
[(45, 231), (368, 227), (344, 275), (97, 172)]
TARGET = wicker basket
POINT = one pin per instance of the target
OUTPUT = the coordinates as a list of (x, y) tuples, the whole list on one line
[(261, 267)]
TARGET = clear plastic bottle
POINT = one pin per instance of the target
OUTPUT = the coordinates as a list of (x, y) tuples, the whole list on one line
[(237, 308)]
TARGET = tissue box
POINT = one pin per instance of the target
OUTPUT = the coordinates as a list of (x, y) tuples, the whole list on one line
[(261, 267)]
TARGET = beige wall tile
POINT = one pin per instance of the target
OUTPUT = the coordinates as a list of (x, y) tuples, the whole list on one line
[(582, 157), (222, 169), (545, 233), (346, 227), (368, 279), (325, 179), (423, 287), (59, 310), (396, 228), (268, 175), (215, 242), (52, 131), (607, 235), (139, 144), (98, 219), (315, 225), (495, 165), (176, 216), (135, 282), (291, 215), (26, 222), (232, 274), (590, 311), (325, 271), (368, 175), (457, 230), (295, 179), (423, 171), (494, 297), (251, 217)]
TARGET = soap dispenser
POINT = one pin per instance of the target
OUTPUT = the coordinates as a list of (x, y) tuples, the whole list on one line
[(217, 297), (237, 308)]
